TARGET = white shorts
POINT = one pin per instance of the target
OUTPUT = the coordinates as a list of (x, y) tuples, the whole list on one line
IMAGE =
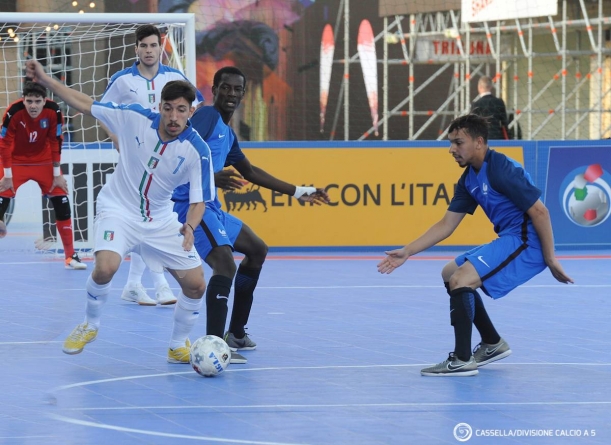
[(160, 247)]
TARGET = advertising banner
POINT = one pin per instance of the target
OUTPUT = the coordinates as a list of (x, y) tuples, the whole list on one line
[(492, 10), (380, 196), (578, 193)]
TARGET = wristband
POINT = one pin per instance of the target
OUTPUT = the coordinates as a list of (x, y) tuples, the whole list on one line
[(8, 173), (300, 191), (57, 171), (191, 227)]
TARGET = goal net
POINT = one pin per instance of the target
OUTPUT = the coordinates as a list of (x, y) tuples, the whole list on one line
[(83, 51)]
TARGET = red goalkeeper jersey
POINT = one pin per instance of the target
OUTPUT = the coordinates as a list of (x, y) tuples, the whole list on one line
[(27, 141)]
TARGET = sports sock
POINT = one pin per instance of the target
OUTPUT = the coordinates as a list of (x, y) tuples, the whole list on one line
[(159, 279), (462, 309), (217, 296), (246, 280), (136, 268), (186, 313), (481, 320), (97, 295), (65, 233)]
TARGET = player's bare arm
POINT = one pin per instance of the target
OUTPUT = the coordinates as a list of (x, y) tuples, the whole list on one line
[(194, 217), (435, 234), (260, 177), (540, 218), (73, 98)]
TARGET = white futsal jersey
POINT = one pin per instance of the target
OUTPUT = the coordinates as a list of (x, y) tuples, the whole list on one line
[(129, 87), (149, 170)]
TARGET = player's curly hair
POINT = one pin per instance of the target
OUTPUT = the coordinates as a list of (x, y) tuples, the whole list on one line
[(34, 89), (474, 125), (218, 76)]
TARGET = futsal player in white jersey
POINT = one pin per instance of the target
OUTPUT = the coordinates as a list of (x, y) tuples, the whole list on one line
[(159, 151), (142, 84)]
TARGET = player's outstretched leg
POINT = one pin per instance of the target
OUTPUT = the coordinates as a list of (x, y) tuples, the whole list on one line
[(134, 291), (86, 332)]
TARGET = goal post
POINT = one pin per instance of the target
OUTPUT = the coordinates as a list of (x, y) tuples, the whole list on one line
[(83, 51)]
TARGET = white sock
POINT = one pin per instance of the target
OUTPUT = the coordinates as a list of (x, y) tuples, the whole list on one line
[(159, 279), (186, 314), (97, 295), (136, 268)]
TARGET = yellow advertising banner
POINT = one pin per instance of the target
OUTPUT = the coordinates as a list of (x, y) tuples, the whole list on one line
[(379, 196)]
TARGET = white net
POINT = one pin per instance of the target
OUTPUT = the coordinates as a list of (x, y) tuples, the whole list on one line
[(83, 56)]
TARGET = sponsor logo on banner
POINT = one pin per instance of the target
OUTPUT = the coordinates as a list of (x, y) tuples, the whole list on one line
[(439, 49), (584, 195), (578, 192)]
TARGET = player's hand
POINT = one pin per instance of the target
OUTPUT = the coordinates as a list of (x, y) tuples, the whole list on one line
[(558, 272), (394, 259), (34, 70), (59, 181), (229, 179), (319, 197), (188, 237), (6, 184)]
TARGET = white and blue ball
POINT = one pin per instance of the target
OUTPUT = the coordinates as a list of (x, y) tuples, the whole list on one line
[(210, 355)]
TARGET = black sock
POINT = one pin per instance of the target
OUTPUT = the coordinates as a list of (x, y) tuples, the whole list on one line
[(462, 310), (481, 320), (246, 280), (217, 295), (483, 324)]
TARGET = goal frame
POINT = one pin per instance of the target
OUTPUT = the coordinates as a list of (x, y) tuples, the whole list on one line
[(88, 157)]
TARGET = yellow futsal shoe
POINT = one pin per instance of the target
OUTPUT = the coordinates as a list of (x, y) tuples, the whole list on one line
[(80, 336), (180, 354)]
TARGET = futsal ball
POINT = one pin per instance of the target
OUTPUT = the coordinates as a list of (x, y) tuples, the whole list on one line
[(209, 355)]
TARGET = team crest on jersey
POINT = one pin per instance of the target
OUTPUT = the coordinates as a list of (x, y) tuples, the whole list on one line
[(153, 162), (44, 123), (109, 235), (151, 98)]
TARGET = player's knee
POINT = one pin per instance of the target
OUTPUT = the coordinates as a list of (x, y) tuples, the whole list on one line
[(4, 203), (448, 271), (61, 205), (258, 253), (220, 259)]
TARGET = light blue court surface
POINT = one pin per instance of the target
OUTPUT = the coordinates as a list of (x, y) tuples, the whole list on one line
[(340, 348)]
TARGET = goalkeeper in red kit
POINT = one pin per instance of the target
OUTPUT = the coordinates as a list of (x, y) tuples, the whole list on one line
[(30, 149)]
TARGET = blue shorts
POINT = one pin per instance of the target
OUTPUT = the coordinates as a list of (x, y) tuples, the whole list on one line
[(504, 264), (217, 228)]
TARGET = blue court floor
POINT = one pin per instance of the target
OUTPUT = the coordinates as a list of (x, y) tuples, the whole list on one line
[(340, 348)]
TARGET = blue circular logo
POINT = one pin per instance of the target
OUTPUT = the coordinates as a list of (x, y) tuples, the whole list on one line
[(584, 195)]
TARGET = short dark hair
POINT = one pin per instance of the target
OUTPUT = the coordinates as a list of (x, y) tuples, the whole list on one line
[(34, 89), (176, 89), (474, 125), (218, 76), (144, 31)]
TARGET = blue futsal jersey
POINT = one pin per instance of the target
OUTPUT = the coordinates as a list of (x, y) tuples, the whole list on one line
[(223, 144), (505, 191)]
